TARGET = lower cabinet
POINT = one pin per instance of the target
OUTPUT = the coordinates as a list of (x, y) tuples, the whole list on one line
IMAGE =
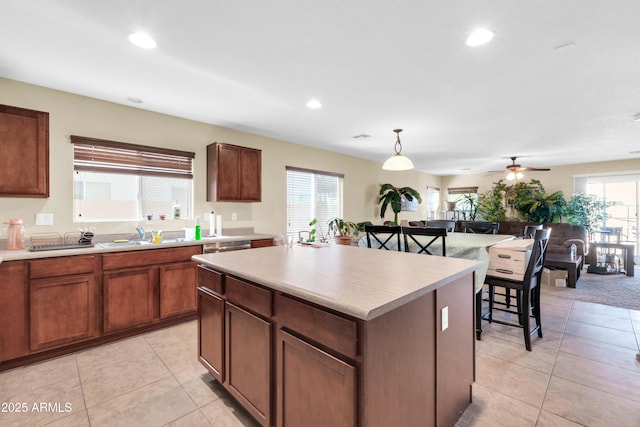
[(178, 289), (235, 339), (147, 286), (14, 309), (248, 361), (313, 387), (129, 298), (64, 301), (211, 332)]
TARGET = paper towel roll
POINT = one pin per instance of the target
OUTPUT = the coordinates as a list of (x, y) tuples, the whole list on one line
[(219, 225)]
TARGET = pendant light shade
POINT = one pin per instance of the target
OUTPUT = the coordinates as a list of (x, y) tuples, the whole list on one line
[(397, 162)]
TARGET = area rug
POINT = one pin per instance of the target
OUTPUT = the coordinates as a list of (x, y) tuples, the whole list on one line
[(618, 290)]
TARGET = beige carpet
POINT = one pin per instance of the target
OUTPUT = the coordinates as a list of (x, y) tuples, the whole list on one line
[(617, 290)]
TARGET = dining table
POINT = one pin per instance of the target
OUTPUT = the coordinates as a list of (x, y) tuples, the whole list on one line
[(471, 246)]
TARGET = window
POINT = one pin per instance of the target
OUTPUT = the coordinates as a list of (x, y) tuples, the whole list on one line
[(115, 181), (433, 202), (312, 194), (466, 202)]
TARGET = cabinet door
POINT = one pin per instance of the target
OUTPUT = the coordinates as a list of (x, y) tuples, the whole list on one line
[(228, 165), (13, 310), (63, 310), (24, 164), (314, 388), (250, 175), (211, 332), (248, 361), (178, 285), (129, 298)]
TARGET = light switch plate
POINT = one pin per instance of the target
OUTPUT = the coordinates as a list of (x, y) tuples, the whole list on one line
[(444, 315), (44, 219), (234, 216)]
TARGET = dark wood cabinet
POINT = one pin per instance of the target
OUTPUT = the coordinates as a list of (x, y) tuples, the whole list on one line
[(235, 339), (13, 310), (142, 287), (211, 332), (24, 142), (129, 298), (309, 381), (234, 173), (248, 361), (261, 243), (178, 286), (64, 301)]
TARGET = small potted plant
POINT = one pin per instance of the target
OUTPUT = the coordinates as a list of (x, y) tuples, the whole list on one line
[(342, 230)]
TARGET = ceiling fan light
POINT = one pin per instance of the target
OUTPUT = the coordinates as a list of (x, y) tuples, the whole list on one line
[(519, 175), (511, 176), (397, 162)]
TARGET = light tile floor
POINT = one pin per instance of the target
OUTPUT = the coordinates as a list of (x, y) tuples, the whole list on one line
[(583, 372)]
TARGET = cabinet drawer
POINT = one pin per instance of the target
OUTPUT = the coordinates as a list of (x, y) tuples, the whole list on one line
[(210, 279), (63, 266), (249, 296), (326, 328)]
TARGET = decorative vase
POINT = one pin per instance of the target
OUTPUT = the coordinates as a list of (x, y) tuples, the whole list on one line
[(343, 240)]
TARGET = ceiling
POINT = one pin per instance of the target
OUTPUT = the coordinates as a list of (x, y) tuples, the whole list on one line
[(558, 84)]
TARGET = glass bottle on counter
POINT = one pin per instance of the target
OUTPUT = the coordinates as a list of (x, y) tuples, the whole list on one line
[(15, 235), (176, 210)]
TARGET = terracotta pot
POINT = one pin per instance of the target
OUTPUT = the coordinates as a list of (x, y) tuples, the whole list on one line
[(343, 240)]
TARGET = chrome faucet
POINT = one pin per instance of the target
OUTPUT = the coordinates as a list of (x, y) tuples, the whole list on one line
[(140, 231)]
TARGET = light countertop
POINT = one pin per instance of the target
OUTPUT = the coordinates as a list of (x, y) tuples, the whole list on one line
[(360, 282), (25, 254)]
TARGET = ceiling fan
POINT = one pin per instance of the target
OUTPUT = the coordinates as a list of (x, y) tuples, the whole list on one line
[(514, 171)]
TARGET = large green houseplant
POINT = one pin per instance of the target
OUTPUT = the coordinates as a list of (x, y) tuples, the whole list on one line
[(587, 210), (392, 196), (491, 204), (534, 204)]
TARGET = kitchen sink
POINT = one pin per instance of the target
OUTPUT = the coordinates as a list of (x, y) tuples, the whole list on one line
[(122, 244)]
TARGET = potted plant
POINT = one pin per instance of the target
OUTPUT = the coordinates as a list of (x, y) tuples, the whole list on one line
[(587, 210), (491, 204), (392, 196), (342, 230), (534, 204)]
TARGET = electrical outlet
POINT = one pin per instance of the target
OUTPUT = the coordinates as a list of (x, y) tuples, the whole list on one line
[(44, 219), (444, 315), (234, 216)]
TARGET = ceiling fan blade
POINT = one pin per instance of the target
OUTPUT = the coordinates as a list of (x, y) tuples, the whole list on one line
[(534, 169)]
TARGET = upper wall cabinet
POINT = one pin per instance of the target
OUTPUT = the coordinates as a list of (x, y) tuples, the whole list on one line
[(24, 143), (234, 174)]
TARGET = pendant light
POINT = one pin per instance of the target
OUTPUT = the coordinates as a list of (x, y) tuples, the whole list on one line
[(397, 162)]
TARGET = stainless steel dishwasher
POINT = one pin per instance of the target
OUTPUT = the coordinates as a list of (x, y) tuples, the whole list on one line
[(234, 245)]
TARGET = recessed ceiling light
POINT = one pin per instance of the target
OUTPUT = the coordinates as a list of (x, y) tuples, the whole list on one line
[(142, 40), (134, 100), (479, 37), (314, 104)]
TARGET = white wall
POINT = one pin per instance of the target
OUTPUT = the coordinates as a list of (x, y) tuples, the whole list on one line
[(76, 115)]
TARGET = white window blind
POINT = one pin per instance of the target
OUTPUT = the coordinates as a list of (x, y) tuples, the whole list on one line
[(312, 194)]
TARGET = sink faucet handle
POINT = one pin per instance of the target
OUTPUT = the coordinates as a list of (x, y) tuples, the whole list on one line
[(140, 231)]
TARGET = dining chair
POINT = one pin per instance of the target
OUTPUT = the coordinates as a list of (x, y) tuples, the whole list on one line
[(530, 231), (421, 223), (480, 227), (409, 233), (384, 236), (450, 225), (527, 291)]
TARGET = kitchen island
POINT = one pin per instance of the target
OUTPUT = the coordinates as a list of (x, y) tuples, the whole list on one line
[(339, 335)]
